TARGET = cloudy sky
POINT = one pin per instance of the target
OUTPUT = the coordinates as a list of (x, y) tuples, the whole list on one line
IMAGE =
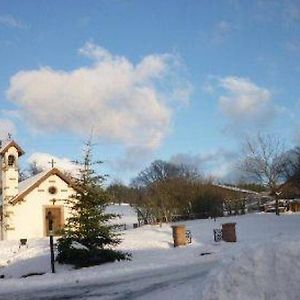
[(184, 81)]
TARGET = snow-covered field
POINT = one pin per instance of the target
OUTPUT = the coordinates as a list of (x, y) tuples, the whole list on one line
[(127, 214), (263, 264)]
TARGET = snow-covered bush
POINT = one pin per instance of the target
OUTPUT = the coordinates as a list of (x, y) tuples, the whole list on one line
[(84, 257)]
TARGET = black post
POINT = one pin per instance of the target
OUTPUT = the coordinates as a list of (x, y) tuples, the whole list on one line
[(52, 254), (50, 220)]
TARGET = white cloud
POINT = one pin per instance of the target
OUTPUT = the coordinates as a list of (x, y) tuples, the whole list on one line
[(43, 161), (10, 21), (244, 100), (6, 126), (217, 163), (120, 101)]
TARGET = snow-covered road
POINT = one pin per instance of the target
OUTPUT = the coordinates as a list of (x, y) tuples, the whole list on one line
[(158, 284)]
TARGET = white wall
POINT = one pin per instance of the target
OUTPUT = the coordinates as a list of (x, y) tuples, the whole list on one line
[(28, 217), (9, 175)]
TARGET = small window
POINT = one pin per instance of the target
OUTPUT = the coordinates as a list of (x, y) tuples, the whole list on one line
[(52, 190), (11, 161)]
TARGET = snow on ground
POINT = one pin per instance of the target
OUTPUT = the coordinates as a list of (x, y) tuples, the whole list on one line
[(271, 271), (239, 270), (16, 262), (127, 214)]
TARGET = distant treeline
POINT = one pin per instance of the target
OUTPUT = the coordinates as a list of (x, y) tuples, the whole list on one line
[(165, 192)]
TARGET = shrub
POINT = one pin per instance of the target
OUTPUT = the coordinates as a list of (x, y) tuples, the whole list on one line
[(87, 257)]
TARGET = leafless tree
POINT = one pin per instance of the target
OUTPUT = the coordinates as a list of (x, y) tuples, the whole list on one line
[(266, 160), (160, 170), (165, 188)]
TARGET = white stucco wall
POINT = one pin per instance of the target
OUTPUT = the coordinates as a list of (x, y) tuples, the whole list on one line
[(9, 174), (27, 218)]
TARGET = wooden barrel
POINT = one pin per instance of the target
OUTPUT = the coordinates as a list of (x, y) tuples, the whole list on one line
[(179, 235), (228, 232)]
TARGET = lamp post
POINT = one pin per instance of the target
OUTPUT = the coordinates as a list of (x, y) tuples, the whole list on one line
[(50, 227)]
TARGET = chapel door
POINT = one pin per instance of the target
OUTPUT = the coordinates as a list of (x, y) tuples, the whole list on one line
[(54, 215)]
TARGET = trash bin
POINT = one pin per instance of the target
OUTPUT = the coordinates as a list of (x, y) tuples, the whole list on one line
[(228, 232), (179, 235)]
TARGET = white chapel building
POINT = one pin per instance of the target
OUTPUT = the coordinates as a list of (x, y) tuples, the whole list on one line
[(25, 205)]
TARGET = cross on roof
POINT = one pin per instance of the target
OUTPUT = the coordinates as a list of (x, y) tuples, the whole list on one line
[(52, 162)]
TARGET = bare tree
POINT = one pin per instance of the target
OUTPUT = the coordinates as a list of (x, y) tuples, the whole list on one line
[(160, 170), (266, 161), (165, 188)]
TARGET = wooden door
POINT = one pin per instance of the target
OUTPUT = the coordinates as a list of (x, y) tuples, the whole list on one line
[(53, 214)]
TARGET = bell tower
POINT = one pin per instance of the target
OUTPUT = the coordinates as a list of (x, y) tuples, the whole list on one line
[(10, 152)]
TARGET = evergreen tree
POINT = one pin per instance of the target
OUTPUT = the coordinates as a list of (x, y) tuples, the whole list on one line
[(88, 226)]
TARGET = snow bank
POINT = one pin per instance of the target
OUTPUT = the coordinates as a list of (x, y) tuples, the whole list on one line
[(271, 271)]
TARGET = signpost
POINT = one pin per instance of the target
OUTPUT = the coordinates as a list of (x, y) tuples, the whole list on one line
[(50, 223)]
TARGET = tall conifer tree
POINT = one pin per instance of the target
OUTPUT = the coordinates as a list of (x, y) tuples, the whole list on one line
[(88, 224)]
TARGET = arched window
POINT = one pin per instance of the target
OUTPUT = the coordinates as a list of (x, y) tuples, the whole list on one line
[(11, 161)]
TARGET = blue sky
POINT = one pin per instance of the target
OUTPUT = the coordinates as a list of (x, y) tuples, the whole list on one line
[(177, 80)]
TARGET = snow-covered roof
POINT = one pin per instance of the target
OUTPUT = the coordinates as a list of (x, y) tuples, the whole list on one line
[(236, 189), (25, 184)]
